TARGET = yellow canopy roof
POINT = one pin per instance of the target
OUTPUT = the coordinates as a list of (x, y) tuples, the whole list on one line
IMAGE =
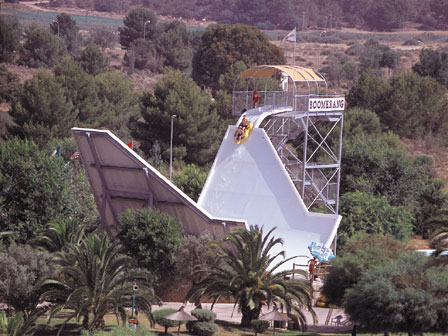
[(295, 72)]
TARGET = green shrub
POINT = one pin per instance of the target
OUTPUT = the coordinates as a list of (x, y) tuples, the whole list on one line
[(123, 331), (190, 326), (259, 326), (204, 315), (159, 317), (205, 328), (411, 42)]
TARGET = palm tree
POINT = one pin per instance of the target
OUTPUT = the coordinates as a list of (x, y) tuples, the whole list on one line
[(437, 225), (96, 278), (439, 241), (60, 233), (245, 274), (17, 325)]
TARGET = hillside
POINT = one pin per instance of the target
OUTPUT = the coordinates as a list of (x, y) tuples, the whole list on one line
[(308, 54)]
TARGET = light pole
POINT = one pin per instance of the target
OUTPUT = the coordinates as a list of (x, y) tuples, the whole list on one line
[(318, 59), (171, 146), (144, 28), (133, 319), (57, 24)]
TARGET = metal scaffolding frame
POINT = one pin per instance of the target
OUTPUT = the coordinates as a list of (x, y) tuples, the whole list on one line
[(315, 164)]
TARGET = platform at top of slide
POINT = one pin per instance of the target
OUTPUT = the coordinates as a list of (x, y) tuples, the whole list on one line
[(249, 182)]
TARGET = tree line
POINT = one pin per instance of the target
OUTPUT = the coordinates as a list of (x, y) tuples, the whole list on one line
[(381, 15)]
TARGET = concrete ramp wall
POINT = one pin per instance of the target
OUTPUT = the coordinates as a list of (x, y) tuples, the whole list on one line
[(249, 182)]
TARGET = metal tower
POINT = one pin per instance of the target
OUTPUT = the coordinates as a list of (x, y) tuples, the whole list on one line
[(304, 124)]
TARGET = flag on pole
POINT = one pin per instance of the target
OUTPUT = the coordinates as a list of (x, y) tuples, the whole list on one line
[(56, 152), (131, 144), (75, 155), (291, 36)]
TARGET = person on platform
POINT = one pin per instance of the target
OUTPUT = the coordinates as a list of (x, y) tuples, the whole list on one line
[(255, 98), (311, 265)]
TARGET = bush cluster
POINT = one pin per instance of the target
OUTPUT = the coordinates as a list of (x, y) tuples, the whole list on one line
[(259, 326), (159, 317), (205, 325)]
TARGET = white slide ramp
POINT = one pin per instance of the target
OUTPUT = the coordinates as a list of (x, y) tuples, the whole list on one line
[(249, 182)]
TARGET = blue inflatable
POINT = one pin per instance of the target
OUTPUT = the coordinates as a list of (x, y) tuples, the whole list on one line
[(321, 252)]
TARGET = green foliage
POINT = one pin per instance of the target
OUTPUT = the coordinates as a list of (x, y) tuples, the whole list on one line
[(80, 204), (204, 315), (376, 56), (16, 325), (204, 325), (383, 168), (440, 11), (42, 111), (340, 68), (245, 275), (41, 48), (410, 105), (361, 253), (126, 331), (433, 63), (190, 180), (92, 60), (385, 15), (400, 296), (173, 46), (196, 126), (415, 106), (9, 85), (33, 188), (259, 326), (141, 54), (151, 238), (223, 45), (134, 23), (363, 212), (95, 278), (118, 100), (439, 240), (9, 41), (80, 89), (22, 266), (205, 328), (368, 92), (59, 234), (360, 123), (192, 252), (102, 37), (68, 31), (159, 317)]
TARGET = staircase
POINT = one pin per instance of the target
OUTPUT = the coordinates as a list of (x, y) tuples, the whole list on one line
[(317, 185)]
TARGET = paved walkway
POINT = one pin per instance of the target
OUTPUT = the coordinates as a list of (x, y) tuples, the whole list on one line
[(225, 311)]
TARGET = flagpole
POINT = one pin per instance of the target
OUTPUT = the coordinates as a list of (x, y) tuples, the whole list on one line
[(294, 53)]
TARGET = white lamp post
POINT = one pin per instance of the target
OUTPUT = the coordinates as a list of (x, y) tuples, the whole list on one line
[(320, 38), (171, 146), (144, 28), (57, 24)]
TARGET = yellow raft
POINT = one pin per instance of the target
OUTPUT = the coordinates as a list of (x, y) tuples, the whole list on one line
[(245, 136)]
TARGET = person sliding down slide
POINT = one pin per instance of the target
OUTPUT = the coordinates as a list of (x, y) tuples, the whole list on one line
[(244, 128)]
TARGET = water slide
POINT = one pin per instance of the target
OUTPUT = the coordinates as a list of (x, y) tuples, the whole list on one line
[(249, 182)]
